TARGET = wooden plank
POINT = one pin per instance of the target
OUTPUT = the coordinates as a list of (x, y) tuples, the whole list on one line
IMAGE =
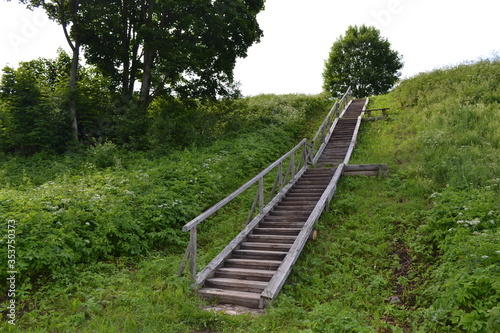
[(365, 167), (377, 109), (255, 263), (247, 299), (192, 245), (361, 173), (277, 281), (244, 273), (237, 284)]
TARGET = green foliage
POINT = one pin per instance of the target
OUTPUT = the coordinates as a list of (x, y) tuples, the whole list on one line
[(408, 235), (114, 203), (461, 123), (180, 123), (34, 101), (104, 155), (31, 109), (363, 60), (463, 289)]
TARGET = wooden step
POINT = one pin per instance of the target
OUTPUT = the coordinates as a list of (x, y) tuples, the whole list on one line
[(314, 190), (298, 200), (266, 246), (296, 205), (277, 231), (252, 263), (237, 284), (291, 219), (250, 300), (258, 254), (281, 212), (317, 171), (283, 239), (281, 224), (244, 274), (305, 195)]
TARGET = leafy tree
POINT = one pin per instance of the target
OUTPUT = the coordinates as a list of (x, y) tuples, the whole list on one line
[(363, 60), (66, 13), (176, 47), (31, 114), (33, 105)]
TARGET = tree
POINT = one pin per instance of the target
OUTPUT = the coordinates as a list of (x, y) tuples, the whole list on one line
[(66, 13), (363, 60), (31, 117), (176, 47)]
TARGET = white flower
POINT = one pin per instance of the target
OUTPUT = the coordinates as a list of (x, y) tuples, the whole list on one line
[(86, 241), (484, 257), (476, 221), (87, 223)]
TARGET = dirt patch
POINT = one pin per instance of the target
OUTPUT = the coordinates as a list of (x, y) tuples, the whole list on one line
[(401, 281), (403, 286), (234, 309)]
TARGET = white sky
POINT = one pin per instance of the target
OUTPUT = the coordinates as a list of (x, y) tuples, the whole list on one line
[(298, 35)]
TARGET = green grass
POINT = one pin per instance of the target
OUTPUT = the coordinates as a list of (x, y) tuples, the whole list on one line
[(427, 233)]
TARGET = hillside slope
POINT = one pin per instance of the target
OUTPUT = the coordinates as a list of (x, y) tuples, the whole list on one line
[(416, 251)]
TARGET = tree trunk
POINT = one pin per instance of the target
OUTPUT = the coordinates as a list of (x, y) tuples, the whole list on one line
[(72, 87), (149, 57), (75, 47)]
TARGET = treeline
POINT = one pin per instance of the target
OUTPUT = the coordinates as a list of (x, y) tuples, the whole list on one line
[(34, 113), (142, 56)]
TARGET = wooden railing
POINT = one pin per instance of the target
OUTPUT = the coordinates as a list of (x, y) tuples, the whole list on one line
[(295, 162), (319, 141), (289, 168)]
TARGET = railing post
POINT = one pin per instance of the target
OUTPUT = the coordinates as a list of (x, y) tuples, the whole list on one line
[(192, 245), (280, 175), (261, 195), (292, 164)]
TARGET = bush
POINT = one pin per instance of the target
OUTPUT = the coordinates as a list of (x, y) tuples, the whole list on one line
[(104, 155)]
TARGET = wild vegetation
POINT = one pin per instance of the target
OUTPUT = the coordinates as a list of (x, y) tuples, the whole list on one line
[(99, 238)]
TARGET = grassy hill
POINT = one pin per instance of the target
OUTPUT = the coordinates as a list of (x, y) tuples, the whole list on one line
[(99, 241)]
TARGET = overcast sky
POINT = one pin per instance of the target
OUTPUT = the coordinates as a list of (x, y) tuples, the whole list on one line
[(298, 35)]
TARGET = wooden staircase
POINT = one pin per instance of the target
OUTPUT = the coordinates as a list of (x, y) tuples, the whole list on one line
[(251, 270), (244, 276)]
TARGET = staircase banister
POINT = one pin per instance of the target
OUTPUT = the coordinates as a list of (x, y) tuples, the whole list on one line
[(200, 218), (325, 122)]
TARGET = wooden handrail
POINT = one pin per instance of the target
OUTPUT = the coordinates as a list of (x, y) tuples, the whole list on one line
[(295, 171), (200, 218)]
